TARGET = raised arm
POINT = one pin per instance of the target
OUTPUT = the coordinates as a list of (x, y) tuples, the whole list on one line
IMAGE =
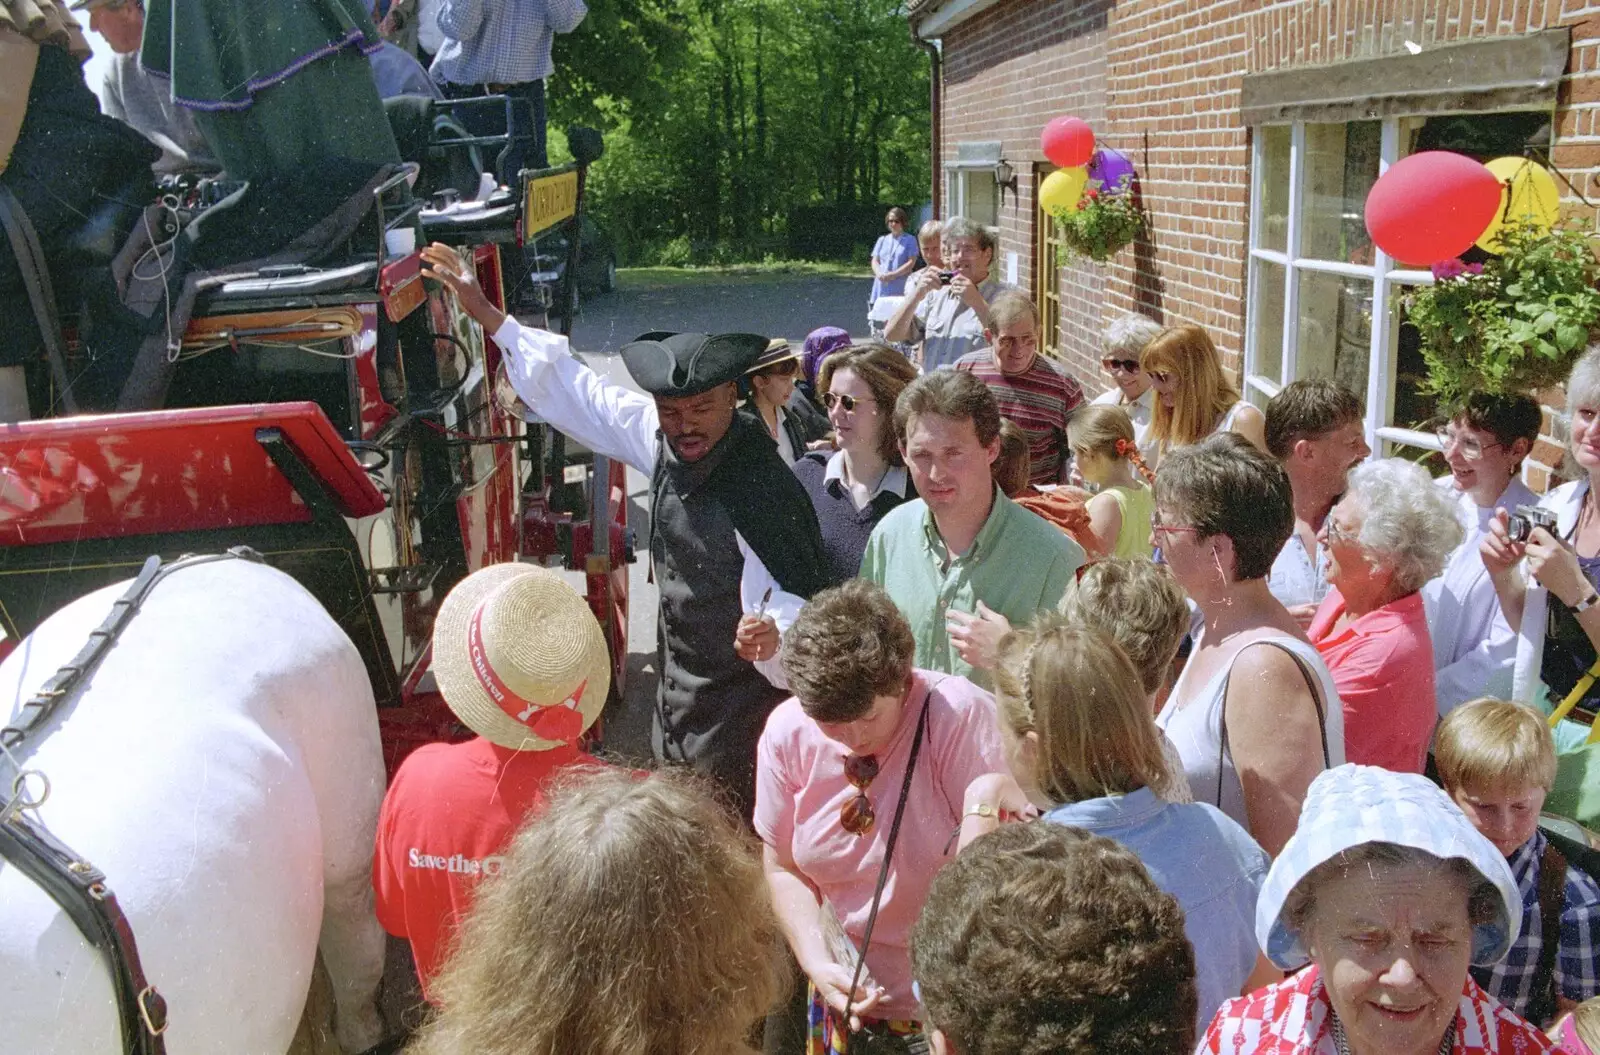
[(605, 417)]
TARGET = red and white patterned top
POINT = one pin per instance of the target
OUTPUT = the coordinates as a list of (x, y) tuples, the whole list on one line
[(1292, 1018)]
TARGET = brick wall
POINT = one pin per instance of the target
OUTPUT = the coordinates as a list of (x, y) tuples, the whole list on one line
[(1160, 80)]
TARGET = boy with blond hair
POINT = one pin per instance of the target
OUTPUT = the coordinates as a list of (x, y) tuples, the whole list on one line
[(1497, 761)]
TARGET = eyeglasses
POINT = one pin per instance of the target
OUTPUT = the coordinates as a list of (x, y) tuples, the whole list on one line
[(1334, 533), (856, 816), (849, 403), (1161, 377), (1127, 366), (1158, 528), (1469, 447)]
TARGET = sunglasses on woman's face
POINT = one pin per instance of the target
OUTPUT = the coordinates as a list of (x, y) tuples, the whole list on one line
[(849, 403), (1129, 366), (856, 816)]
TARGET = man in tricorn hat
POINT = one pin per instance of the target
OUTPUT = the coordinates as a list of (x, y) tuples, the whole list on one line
[(733, 536)]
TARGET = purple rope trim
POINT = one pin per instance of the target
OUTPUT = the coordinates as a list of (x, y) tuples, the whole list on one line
[(256, 84)]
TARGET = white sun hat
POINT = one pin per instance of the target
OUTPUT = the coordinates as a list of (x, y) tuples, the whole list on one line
[(519, 657), (1352, 805)]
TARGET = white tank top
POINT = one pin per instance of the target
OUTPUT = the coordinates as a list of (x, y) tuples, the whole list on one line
[(1196, 729), (1225, 421)]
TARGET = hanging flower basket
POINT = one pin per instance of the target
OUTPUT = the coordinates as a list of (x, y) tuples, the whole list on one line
[(1101, 225), (1513, 324)]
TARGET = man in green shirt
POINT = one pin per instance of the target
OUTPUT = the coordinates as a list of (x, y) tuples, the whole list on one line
[(962, 549)]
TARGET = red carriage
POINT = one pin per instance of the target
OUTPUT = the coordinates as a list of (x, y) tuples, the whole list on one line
[(343, 421)]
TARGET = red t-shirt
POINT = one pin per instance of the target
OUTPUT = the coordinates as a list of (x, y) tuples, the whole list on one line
[(1382, 665), (446, 820)]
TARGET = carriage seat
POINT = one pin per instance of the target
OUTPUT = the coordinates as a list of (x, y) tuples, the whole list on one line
[(295, 281)]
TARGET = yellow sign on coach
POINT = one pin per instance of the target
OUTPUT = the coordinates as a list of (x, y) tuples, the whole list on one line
[(549, 200)]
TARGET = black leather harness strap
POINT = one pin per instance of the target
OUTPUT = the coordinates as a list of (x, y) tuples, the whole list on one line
[(41, 292), (72, 882)]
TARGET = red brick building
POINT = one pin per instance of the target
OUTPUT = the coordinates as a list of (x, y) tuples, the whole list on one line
[(1257, 129)]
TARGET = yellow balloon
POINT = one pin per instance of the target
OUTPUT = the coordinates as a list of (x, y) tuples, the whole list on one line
[(1062, 190), (1528, 196)]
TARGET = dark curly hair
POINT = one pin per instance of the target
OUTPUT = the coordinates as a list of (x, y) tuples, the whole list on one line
[(847, 647), (1045, 940)]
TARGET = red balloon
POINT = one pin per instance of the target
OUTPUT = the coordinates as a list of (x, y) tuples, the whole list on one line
[(1431, 206), (1069, 142)]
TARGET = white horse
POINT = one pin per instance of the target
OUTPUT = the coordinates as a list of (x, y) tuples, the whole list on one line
[(222, 767)]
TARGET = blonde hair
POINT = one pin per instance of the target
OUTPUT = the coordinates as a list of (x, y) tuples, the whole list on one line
[(631, 916), (1140, 606), (1077, 691), (1106, 429), (1585, 1022), (1492, 743), (1204, 392)]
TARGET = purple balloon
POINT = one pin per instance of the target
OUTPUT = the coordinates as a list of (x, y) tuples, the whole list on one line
[(1112, 170)]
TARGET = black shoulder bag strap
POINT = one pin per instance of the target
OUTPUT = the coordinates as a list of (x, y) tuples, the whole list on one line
[(888, 855), (1316, 701), (1552, 901)]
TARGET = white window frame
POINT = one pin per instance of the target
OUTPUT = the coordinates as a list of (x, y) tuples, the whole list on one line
[(1383, 275), (956, 198)]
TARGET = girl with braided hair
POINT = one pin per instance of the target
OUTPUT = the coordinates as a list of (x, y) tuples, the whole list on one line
[(1085, 752), (1102, 441)]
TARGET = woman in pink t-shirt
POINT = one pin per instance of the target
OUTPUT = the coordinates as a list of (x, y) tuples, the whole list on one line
[(1390, 533), (829, 773)]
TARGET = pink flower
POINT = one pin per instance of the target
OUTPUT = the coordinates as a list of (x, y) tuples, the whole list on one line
[(1446, 269)]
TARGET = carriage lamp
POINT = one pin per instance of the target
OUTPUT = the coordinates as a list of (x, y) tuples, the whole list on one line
[(1005, 176)]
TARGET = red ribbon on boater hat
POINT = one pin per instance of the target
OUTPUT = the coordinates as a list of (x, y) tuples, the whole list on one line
[(562, 722)]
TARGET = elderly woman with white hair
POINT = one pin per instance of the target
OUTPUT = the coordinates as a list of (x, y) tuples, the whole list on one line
[(1121, 343), (1390, 533), (1390, 894)]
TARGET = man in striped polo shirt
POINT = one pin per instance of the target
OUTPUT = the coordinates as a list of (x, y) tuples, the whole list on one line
[(1032, 391)]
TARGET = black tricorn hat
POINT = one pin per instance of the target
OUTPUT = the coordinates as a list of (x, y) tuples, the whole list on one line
[(685, 364)]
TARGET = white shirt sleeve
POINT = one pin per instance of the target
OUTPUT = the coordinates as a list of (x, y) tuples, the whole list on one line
[(783, 607), (1484, 671), (556, 385)]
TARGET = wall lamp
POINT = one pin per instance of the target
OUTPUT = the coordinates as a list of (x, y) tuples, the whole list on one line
[(1005, 177)]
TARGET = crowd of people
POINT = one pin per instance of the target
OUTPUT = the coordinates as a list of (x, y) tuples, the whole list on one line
[(1160, 723)]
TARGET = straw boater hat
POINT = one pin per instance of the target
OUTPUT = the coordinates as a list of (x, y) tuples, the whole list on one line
[(519, 657), (777, 351)]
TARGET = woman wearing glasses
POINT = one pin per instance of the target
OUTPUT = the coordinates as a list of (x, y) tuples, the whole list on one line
[(1484, 444), (853, 487), (1389, 534), (1121, 343), (1555, 610), (831, 777), (1194, 398), (1254, 714)]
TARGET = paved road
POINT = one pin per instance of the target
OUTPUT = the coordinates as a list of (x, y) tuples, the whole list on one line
[(777, 305), (787, 305)]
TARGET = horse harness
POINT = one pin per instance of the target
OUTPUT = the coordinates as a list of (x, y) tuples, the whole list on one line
[(72, 882)]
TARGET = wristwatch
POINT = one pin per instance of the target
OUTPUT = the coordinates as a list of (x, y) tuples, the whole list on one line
[(983, 809), (1588, 602)]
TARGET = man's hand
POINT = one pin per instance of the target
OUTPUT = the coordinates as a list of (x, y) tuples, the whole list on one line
[(977, 636), (968, 291), (922, 283), (755, 640), (445, 265)]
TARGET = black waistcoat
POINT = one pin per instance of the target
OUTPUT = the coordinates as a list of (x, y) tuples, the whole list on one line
[(712, 704)]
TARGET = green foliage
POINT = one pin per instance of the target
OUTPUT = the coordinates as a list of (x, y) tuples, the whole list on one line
[(1515, 326), (721, 116), (1102, 225)]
